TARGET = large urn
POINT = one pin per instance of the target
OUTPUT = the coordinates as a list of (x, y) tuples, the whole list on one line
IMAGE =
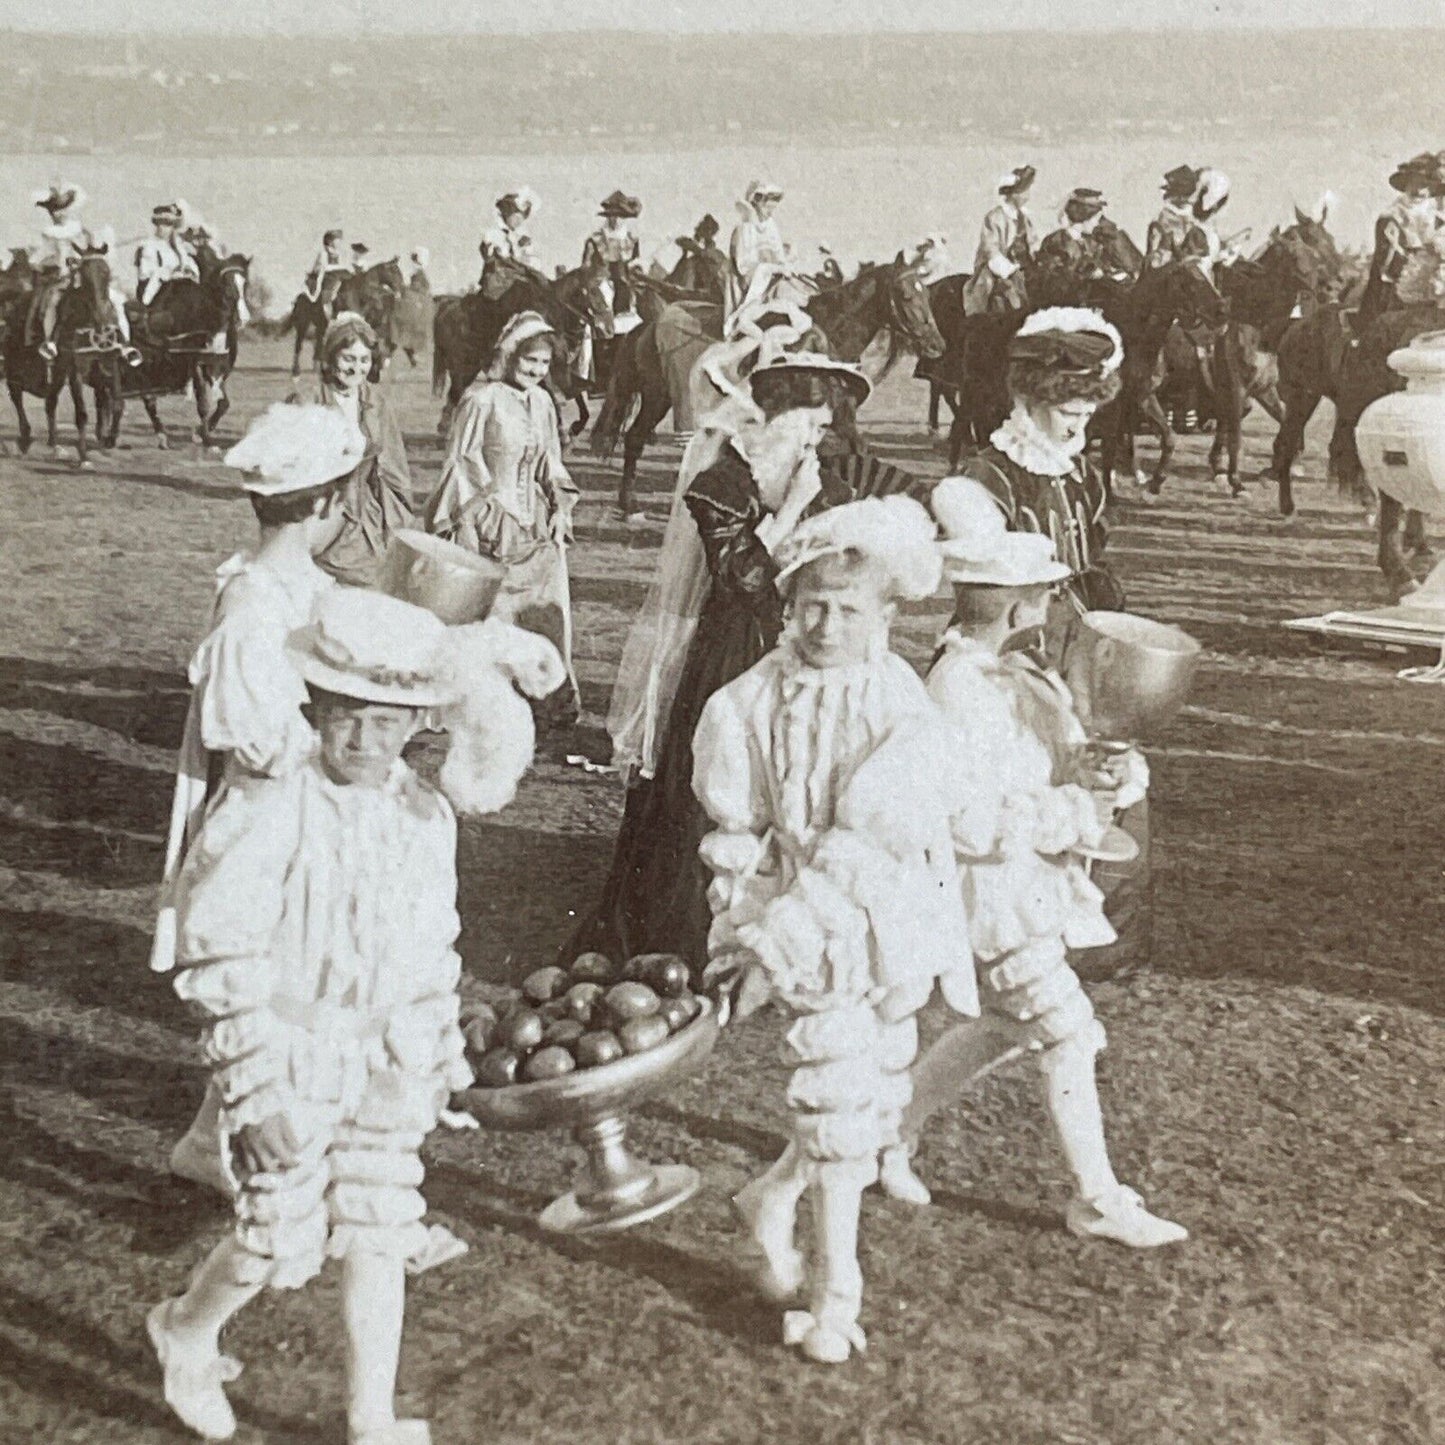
[(1401, 437)]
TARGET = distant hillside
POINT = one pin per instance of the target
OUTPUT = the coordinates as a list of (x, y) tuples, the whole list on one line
[(471, 94)]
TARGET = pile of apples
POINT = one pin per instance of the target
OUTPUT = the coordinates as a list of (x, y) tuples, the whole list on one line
[(581, 1017)]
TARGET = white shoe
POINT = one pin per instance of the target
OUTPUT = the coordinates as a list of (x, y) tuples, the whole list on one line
[(897, 1179), (193, 1379), (827, 1342), (1120, 1215), (194, 1159), (397, 1432), (441, 1247)]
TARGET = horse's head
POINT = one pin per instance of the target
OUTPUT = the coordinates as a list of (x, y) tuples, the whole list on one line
[(1183, 292), (910, 312), (92, 282), (389, 275), (231, 276)]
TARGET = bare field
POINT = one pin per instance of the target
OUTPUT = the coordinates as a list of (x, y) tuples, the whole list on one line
[(1274, 1082)]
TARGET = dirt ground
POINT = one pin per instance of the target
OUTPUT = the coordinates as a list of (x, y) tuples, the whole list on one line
[(1275, 1081)]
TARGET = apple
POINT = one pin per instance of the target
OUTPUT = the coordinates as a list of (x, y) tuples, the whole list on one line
[(675, 1013), (631, 1001), (638, 1035), (601, 1046), (498, 1068), (565, 1032), (593, 968), (523, 1030), (581, 999), (479, 1031), (550, 1063), (544, 984)]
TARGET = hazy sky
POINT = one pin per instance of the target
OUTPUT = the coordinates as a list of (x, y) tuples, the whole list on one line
[(693, 16)]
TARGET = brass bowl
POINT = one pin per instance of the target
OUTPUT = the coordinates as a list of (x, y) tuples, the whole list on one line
[(614, 1190), (458, 585), (1127, 673)]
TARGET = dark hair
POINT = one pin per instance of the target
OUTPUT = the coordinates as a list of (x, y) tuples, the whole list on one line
[(977, 604), (294, 506), (782, 391), (1035, 383)]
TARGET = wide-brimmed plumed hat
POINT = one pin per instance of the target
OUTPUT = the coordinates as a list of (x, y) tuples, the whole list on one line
[(168, 212), (63, 196), (1417, 173), (375, 648), (1181, 183), (619, 206), (295, 448), (1084, 202), (895, 533), (519, 198), (977, 547), (1065, 353), (1016, 180), (762, 191), (813, 364)]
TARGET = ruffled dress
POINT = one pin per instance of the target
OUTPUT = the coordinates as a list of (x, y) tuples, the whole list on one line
[(834, 878), (316, 933), (1028, 897)]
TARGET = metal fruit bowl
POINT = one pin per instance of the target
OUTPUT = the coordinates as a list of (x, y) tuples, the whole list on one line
[(614, 1190), (1128, 673)]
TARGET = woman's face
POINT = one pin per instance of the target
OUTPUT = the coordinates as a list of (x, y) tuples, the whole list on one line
[(512, 218), (350, 366), (531, 364), (765, 206), (782, 446), (1065, 423)]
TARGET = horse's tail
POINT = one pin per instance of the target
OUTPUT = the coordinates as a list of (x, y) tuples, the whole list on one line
[(623, 386)]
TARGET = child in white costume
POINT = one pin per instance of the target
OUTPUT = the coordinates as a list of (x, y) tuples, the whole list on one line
[(317, 923), (244, 718), (834, 890), (1035, 805)]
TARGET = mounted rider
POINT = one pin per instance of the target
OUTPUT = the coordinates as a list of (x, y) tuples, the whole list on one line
[(615, 245), (1075, 252), (1403, 230), (1006, 245), (327, 273), (63, 244), (508, 240), (359, 252), (164, 256), (761, 259), (1171, 228), (418, 260), (1184, 230)]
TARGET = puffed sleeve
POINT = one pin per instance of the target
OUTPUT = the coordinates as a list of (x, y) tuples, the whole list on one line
[(229, 899), (993, 245), (449, 512), (248, 694), (720, 501), (979, 468), (386, 433)]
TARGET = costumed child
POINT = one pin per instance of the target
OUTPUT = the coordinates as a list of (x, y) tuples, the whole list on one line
[(834, 891), (1036, 805), (317, 924), (244, 718)]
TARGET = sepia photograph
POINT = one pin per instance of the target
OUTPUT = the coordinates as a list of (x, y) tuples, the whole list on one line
[(718, 722)]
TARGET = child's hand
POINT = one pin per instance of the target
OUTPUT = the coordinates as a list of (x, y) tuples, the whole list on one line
[(267, 1147)]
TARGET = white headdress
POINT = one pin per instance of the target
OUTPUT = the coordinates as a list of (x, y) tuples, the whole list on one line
[(895, 533), (977, 546), (1073, 319), (525, 326), (294, 448), (1213, 189)]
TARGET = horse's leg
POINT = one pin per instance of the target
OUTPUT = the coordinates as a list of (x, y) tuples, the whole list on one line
[(162, 440), (1300, 404), (935, 393), (649, 417), (583, 415), (302, 326), (17, 400), (223, 401), (1152, 412), (1414, 539), (52, 406), (1391, 555), (82, 420)]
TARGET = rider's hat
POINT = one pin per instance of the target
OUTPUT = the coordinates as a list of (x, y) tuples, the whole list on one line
[(1180, 183), (334, 234), (619, 206), (706, 228), (1417, 173), (168, 212), (1084, 202), (1016, 180), (519, 198), (360, 248), (1213, 191), (763, 191), (62, 196)]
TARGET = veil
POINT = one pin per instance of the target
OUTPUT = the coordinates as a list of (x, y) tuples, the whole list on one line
[(658, 642)]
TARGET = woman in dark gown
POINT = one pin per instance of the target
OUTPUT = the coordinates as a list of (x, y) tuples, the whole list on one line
[(655, 898)]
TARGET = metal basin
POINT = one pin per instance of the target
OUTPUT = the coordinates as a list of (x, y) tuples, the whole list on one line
[(1128, 674)]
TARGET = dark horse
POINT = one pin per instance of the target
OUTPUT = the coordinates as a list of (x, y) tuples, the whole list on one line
[(1142, 311), (466, 329), (87, 339), (188, 338), (372, 293), (891, 298)]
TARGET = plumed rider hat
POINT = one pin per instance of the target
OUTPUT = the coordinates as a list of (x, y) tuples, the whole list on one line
[(1181, 183), (763, 191), (1016, 180), (63, 196), (332, 235), (520, 198), (169, 212), (1083, 202), (805, 364), (621, 206), (1417, 172)]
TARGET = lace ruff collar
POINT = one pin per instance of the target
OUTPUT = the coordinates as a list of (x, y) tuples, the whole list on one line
[(1021, 441)]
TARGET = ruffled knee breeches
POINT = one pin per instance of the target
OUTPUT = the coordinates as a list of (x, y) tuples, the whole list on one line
[(1033, 995)]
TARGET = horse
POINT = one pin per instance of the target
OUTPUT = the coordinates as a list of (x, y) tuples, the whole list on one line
[(653, 363), (465, 330), (412, 319), (88, 343), (189, 337)]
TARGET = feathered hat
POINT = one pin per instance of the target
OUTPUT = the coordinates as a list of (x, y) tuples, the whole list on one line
[(519, 198), (815, 365), (619, 206), (895, 533), (1420, 172), (1065, 353), (296, 448), (169, 212), (1016, 180), (1213, 191), (62, 196), (1180, 183), (1084, 202), (762, 191), (978, 549)]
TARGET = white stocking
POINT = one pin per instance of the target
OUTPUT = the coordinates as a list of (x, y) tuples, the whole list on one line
[(225, 1283), (1071, 1093), (837, 1283), (373, 1303)]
